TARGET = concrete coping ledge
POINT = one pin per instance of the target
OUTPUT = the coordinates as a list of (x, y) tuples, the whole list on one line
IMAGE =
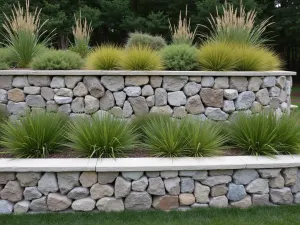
[(143, 73), (148, 164)]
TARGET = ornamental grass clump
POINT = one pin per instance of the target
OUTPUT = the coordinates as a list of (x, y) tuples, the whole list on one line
[(82, 34), (57, 60), (204, 138), (105, 57), (35, 136), (101, 136), (182, 33), (265, 134), (140, 58), (24, 35), (153, 42), (180, 57)]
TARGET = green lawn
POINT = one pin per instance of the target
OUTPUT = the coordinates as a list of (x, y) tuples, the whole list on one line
[(283, 215)]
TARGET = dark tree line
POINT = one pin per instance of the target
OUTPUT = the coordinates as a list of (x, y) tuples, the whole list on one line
[(114, 19)]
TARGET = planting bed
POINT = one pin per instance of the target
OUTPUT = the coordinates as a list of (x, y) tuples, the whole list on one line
[(213, 95), (54, 185)]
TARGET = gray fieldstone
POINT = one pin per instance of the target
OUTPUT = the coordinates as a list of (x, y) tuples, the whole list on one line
[(174, 83), (215, 180), (120, 97), (236, 192), (166, 202), (194, 105), (187, 185), (6, 207), (244, 100), (6, 82), (262, 96), (284, 107), (39, 81), (256, 107), (297, 198), (65, 92), (259, 200), (139, 105), (172, 185), (113, 83), (176, 98), (156, 186), (254, 83), (221, 83), (102, 190), (84, 204), (281, 196), (133, 91), (212, 97), (152, 174), (200, 175), (3, 96), (17, 108), (132, 175), (36, 101), (61, 100), (140, 184), (138, 201), (20, 82), (290, 176), (94, 86), (107, 177), (207, 81), (277, 182), (179, 112), (16, 95), (5, 177), (147, 90), (220, 172), (187, 173), (274, 103), (31, 193), (239, 83), (127, 109), (92, 104), (122, 187), (161, 97), (78, 193), (168, 174), (296, 187), (71, 81), (67, 181), (216, 114), (244, 203), (283, 96), (288, 87), (274, 91), (110, 204), (21, 207), (77, 105), (228, 106), (258, 186), (66, 109), (12, 191), (155, 81), (150, 101), (136, 80), (47, 93), (201, 193), (231, 94), (28, 179), (57, 82), (269, 173), (269, 82), (186, 199), (191, 88), (281, 81), (117, 112), (107, 101), (199, 205), (195, 79), (219, 190), (80, 90), (32, 90), (218, 202), (39, 205), (57, 202)]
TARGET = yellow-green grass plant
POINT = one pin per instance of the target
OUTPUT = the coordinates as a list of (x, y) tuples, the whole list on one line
[(137, 38), (182, 57), (141, 58), (105, 57), (57, 60), (265, 134), (237, 26), (204, 138), (101, 136), (35, 136), (82, 34), (217, 56), (7, 58), (24, 35)]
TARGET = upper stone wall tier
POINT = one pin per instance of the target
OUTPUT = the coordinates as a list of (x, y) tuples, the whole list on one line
[(217, 97)]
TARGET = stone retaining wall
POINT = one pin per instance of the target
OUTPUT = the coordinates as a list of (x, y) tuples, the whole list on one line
[(166, 190), (213, 97)]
